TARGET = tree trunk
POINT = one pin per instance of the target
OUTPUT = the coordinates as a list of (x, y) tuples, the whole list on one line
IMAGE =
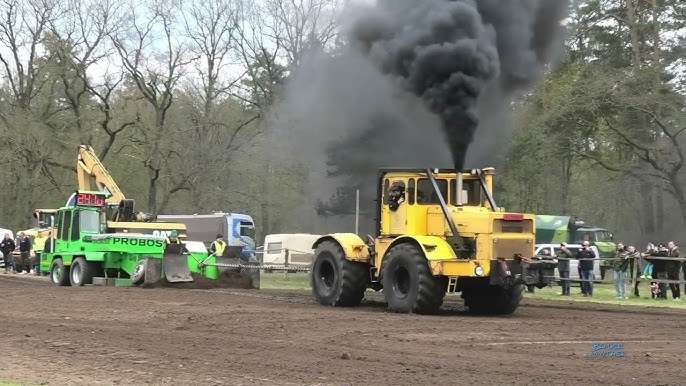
[(566, 182)]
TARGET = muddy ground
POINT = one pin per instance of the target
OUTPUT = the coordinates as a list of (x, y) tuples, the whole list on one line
[(166, 336)]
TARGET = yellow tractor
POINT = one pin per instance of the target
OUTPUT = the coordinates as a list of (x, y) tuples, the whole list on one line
[(432, 239)]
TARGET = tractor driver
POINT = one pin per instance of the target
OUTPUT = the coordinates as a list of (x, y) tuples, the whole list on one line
[(218, 246), (396, 196), (173, 238)]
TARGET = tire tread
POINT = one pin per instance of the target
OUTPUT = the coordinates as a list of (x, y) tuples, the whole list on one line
[(353, 277), (431, 289)]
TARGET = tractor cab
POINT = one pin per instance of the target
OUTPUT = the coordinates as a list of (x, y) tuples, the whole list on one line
[(423, 202), (83, 216)]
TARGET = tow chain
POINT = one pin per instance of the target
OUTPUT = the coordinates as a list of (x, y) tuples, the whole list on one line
[(269, 267)]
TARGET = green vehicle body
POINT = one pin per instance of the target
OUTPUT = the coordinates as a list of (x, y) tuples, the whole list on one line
[(82, 234), (551, 229)]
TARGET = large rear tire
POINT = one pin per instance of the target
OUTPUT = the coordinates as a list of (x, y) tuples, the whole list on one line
[(409, 286), (337, 281), (59, 274), (80, 272), (494, 300)]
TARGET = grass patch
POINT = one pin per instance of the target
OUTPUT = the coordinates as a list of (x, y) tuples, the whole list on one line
[(605, 293), (602, 293), (9, 383), (286, 281)]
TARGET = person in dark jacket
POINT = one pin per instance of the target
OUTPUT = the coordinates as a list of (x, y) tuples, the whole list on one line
[(672, 269), (586, 257), (25, 250), (6, 247), (656, 257), (563, 257), (619, 265)]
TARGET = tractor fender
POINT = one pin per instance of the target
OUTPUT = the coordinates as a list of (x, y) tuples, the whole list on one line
[(353, 246), (434, 248)]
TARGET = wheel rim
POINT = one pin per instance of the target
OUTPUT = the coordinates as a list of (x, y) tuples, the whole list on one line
[(327, 274), (76, 273), (56, 274), (137, 269), (401, 282)]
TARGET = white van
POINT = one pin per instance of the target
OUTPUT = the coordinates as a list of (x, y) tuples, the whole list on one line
[(573, 264), (293, 249)]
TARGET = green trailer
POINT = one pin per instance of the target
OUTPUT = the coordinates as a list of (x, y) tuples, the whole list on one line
[(552, 229), (84, 252)]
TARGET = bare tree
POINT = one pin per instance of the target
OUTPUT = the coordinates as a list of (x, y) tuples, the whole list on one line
[(304, 25), (79, 41), (22, 27), (155, 74)]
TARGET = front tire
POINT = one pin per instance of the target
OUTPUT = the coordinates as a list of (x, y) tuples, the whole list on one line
[(409, 286), (337, 281), (59, 274), (80, 272)]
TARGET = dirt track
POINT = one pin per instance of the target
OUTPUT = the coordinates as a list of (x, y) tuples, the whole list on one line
[(133, 336)]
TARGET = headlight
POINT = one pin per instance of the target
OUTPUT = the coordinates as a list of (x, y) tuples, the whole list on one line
[(479, 270)]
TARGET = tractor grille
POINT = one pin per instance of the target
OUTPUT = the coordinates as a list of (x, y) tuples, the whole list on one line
[(507, 248), (503, 226)]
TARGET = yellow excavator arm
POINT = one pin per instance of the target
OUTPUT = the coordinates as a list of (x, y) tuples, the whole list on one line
[(92, 175)]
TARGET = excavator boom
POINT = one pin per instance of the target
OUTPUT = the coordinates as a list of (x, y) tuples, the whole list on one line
[(93, 176)]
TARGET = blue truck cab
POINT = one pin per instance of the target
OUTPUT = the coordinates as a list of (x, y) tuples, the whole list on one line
[(238, 229)]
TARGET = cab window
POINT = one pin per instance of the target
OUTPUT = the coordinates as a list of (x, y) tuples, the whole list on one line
[(64, 225), (471, 192), (75, 226), (426, 194), (247, 229), (411, 191), (89, 221)]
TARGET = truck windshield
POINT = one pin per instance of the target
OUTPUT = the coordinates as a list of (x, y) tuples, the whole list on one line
[(89, 221), (603, 236), (44, 219), (247, 229)]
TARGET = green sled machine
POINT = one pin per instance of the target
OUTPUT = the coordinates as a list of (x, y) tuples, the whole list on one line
[(84, 251)]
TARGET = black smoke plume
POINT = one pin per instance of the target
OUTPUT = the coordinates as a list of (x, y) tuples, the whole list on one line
[(412, 83)]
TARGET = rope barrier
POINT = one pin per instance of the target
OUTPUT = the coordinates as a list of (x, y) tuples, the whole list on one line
[(646, 257)]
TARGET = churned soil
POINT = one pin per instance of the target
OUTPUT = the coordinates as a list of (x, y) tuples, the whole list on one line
[(170, 336), (227, 279)]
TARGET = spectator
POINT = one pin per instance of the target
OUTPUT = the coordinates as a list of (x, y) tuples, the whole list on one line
[(657, 259), (672, 268), (634, 256), (25, 250), (619, 266), (563, 258), (586, 258), (6, 247)]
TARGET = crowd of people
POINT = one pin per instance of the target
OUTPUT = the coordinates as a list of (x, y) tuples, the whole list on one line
[(659, 264), (24, 245)]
